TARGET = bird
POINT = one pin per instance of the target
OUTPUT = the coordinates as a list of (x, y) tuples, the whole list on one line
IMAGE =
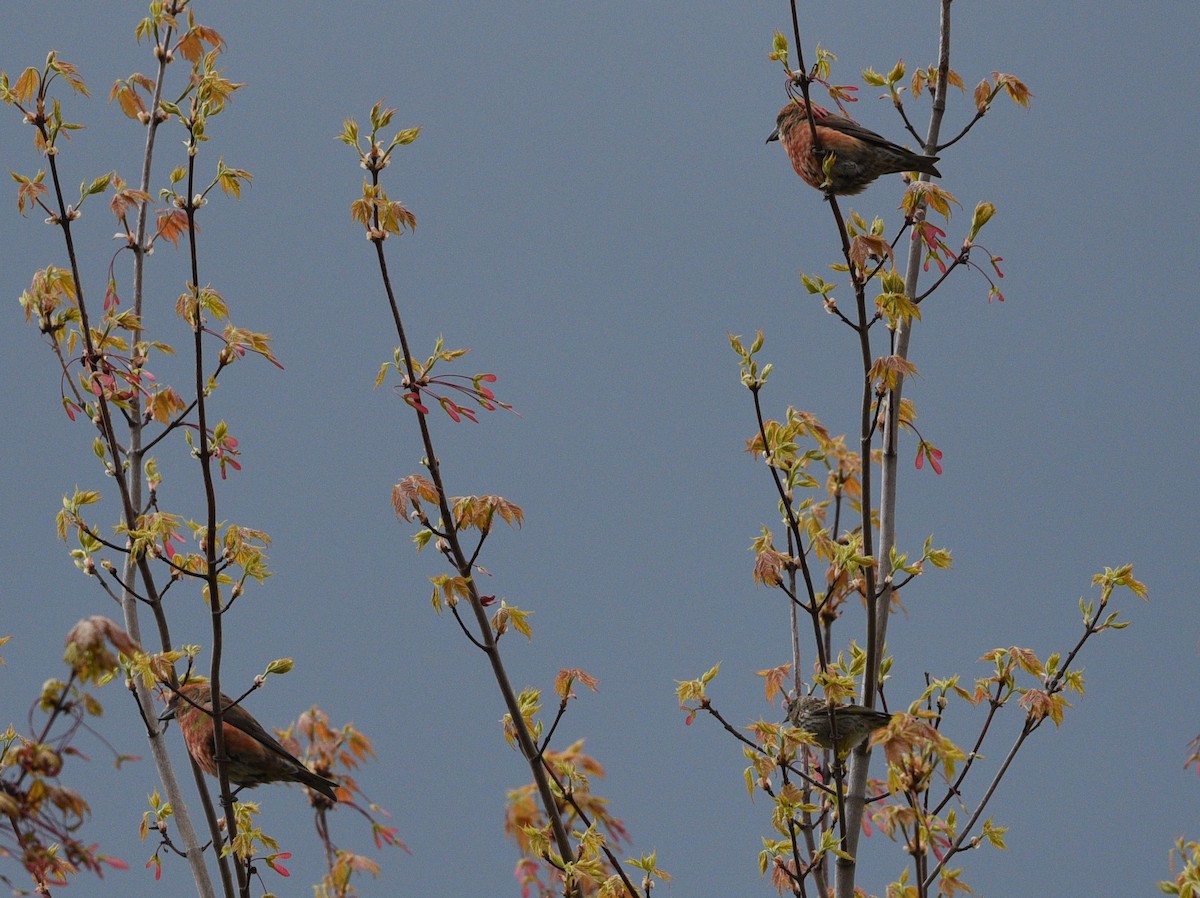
[(860, 154), (854, 723), (253, 755)]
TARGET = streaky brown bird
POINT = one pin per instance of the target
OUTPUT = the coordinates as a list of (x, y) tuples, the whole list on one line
[(853, 723)]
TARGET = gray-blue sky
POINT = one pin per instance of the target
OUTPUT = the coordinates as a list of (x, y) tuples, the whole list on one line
[(596, 212)]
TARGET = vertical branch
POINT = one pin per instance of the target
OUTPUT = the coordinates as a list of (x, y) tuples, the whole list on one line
[(857, 785), (133, 477), (794, 616), (451, 546), (461, 562), (866, 425), (891, 432), (211, 555), (880, 605)]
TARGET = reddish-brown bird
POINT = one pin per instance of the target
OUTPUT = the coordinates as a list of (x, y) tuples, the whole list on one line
[(254, 755), (861, 155)]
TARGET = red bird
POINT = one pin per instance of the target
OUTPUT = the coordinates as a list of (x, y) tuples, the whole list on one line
[(861, 155), (254, 755)]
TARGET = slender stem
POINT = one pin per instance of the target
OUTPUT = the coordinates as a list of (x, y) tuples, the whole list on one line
[(211, 542), (851, 815), (973, 755), (461, 562), (733, 731), (808, 827), (963, 133), (887, 509), (801, 76), (879, 603), (1052, 685), (794, 615), (965, 833), (793, 524), (958, 260), (569, 797)]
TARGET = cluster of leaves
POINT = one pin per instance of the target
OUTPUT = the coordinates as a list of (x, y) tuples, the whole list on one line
[(380, 216), (424, 383), (43, 817), (1186, 882), (594, 868), (820, 485)]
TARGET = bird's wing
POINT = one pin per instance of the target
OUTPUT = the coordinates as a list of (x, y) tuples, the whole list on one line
[(857, 131), (241, 720)]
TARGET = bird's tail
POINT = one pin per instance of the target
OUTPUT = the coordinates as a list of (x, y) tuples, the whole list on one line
[(925, 165), (318, 783)]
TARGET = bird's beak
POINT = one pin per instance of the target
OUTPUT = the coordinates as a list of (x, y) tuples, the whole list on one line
[(774, 135), (168, 714)]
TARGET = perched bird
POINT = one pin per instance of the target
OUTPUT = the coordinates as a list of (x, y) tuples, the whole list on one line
[(860, 154), (254, 754), (854, 723)]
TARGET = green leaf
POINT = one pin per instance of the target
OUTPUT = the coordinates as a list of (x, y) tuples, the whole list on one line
[(405, 137)]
